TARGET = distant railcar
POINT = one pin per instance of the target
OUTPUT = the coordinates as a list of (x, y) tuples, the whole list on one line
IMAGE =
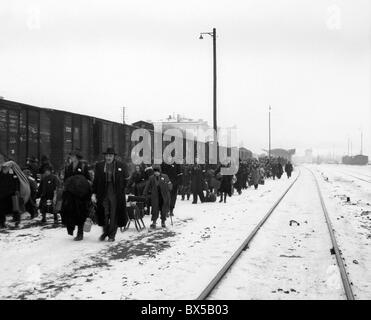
[(245, 154), (359, 160)]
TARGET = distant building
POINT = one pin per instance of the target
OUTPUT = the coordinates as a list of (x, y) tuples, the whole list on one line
[(183, 123), (282, 153), (143, 124), (308, 158)]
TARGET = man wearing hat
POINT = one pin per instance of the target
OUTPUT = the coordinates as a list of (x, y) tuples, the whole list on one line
[(76, 194), (159, 187), (47, 193), (110, 179), (76, 166), (174, 172)]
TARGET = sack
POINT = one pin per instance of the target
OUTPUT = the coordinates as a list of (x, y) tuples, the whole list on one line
[(58, 206), (87, 225), (93, 213), (211, 197), (15, 203)]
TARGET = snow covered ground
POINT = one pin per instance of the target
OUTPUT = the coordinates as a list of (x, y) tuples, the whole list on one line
[(351, 220), (175, 263), (290, 257), (283, 261)]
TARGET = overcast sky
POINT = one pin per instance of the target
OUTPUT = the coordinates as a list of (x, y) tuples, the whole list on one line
[(308, 59)]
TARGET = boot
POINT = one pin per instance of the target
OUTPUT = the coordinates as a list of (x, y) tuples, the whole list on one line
[(221, 198), (79, 237), (194, 200), (55, 218), (102, 237), (153, 225), (80, 233), (163, 225), (225, 197), (43, 220)]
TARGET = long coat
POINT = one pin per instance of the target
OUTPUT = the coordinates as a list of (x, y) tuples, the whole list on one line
[(255, 176), (137, 183), (81, 168), (173, 171), (225, 182), (288, 168), (197, 179), (9, 185), (100, 185), (279, 170), (165, 186), (75, 204)]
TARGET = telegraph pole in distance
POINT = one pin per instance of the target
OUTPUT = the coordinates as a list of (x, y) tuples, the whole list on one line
[(269, 153)]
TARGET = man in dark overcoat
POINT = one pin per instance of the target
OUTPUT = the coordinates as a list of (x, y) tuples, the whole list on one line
[(110, 180), (288, 169), (159, 187), (197, 183), (174, 172), (76, 166), (9, 186)]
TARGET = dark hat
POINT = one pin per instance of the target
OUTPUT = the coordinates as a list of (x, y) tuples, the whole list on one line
[(47, 167), (76, 153), (32, 159), (110, 150)]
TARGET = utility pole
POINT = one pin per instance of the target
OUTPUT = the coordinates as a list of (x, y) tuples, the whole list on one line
[(215, 123), (123, 115), (269, 152), (361, 142)]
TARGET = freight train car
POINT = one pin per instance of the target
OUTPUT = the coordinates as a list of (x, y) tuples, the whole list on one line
[(29, 131), (359, 160)]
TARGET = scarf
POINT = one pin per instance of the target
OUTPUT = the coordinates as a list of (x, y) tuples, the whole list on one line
[(113, 171)]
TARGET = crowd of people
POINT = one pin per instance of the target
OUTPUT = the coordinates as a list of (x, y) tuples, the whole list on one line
[(79, 191)]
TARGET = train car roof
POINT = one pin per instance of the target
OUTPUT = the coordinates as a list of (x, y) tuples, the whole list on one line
[(10, 103)]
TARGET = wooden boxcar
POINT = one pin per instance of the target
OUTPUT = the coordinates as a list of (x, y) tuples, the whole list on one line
[(29, 131)]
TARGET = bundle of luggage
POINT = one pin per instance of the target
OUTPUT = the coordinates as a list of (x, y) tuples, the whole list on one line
[(135, 211), (210, 197)]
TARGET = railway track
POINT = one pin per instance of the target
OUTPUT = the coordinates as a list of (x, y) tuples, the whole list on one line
[(335, 248), (245, 245), (360, 173), (352, 175), (218, 278)]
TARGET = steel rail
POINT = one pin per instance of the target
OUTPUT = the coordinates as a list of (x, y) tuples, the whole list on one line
[(348, 174), (359, 173), (339, 260), (219, 276)]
